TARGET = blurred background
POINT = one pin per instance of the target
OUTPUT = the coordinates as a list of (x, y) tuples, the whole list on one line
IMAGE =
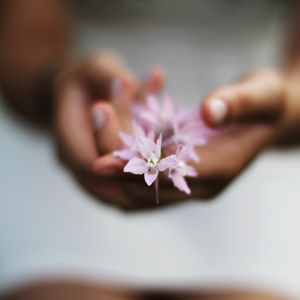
[(50, 228), (213, 42)]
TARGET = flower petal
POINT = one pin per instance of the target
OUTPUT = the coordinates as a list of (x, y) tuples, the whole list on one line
[(168, 141), (150, 177), (158, 146), (194, 156), (144, 116), (153, 104), (124, 154), (151, 134), (146, 146), (200, 141), (126, 138), (188, 115), (183, 152), (180, 182), (175, 127), (168, 106), (136, 166), (167, 162), (138, 130), (186, 153), (149, 118), (190, 171)]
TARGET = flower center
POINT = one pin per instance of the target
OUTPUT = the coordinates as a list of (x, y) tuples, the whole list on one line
[(152, 161)]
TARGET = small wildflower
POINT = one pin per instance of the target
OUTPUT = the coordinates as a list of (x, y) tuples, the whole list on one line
[(182, 128)]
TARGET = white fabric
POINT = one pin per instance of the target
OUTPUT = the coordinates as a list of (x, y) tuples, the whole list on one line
[(246, 236)]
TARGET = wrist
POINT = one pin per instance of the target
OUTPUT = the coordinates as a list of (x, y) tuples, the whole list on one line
[(289, 123)]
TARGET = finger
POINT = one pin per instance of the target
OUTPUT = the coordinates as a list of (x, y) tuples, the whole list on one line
[(108, 165), (155, 80), (98, 73), (106, 127), (73, 125), (123, 93), (258, 96), (153, 84)]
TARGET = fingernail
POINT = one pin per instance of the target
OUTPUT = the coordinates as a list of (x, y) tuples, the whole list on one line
[(218, 110), (98, 117)]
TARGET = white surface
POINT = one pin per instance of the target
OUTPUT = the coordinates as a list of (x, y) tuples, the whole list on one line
[(247, 236)]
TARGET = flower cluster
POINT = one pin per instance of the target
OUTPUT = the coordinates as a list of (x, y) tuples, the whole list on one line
[(163, 140)]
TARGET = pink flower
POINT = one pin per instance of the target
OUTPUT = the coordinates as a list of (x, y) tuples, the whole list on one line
[(129, 141), (182, 128), (155, 113), (150, 162), (181, 169), (188, 129)]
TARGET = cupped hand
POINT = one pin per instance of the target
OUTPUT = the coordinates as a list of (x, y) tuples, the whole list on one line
[(93, 99), (250, 115)]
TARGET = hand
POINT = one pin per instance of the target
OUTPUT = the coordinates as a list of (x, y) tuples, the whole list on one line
[(88, 119), (250, 115)]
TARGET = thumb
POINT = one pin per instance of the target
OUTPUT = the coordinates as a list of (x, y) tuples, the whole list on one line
[(260, 95), (106, 127)]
